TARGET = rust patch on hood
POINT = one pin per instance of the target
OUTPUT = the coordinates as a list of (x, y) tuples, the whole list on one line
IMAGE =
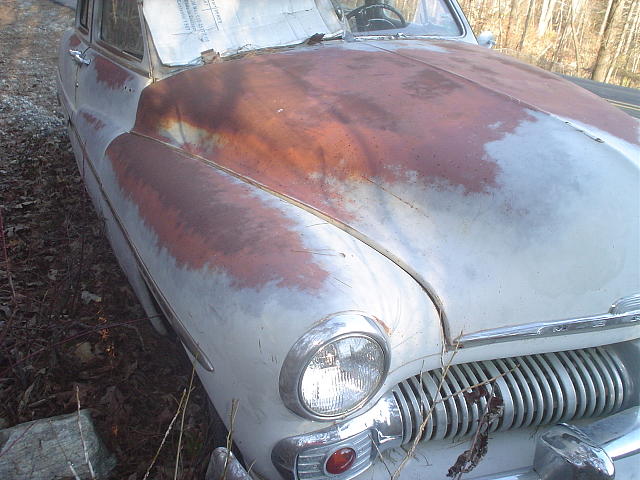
[(109, 73), (206, 218), (544, 90), (300, 121)]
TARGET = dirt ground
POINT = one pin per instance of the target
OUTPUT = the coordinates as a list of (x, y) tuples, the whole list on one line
[(68, 318)]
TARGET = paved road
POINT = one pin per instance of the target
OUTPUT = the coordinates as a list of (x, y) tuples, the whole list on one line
[(628, 99)]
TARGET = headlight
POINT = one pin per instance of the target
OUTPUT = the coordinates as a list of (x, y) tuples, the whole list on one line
[(335, 368)]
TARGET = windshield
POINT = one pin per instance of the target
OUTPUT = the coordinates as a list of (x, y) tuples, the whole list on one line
[(392, 17), (183, 29)]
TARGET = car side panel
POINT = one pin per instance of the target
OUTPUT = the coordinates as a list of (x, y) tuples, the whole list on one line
[(247, 273)]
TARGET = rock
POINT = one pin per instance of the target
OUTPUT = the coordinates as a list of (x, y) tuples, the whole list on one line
[(53, 448)]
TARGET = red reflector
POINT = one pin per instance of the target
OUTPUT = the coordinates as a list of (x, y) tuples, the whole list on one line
[(340, 461)]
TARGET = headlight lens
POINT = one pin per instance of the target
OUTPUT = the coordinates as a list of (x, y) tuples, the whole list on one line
[(342, 375), (336, 367)]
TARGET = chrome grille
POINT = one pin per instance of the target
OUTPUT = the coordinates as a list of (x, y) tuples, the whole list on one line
[(535, 390)]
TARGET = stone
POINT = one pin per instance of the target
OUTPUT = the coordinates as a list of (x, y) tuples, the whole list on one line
[(52, 448)]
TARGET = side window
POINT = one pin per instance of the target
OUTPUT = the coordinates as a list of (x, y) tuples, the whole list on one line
[(83, 14), (120, 26)]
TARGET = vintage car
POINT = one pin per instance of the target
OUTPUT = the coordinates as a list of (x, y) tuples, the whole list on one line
[(397, 252)]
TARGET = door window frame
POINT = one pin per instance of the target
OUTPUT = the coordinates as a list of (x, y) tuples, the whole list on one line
[(84, 30), (132, 62)]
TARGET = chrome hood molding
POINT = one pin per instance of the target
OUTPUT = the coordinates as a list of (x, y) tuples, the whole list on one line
[(623, 313)]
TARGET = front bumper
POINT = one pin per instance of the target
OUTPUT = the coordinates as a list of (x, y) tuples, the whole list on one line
[(563, 452)]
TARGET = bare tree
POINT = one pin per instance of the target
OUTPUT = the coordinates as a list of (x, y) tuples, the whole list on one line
[(546, 13), (604, 57), (532, 4), (579, 37)]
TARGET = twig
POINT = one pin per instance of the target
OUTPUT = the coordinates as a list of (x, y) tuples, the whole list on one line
[(6, 260), (76, 290), (184, 411), (6, 450), (232, 419), (375, 444), (470, 458), (479, 384), (84, 445), (427, 417), (73, 470), (64, 454), (166, 434)]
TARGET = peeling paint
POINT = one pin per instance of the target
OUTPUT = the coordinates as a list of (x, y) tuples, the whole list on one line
[(205, 218), (74, 41), (91, 119), (109, 73), (532, 85), (304, 121)]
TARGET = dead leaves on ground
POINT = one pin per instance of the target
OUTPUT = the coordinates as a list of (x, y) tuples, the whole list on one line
[(69, 319)]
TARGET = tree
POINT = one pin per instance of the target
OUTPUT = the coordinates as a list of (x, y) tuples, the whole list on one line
[(604, 57), (532, 4), (546, 13)]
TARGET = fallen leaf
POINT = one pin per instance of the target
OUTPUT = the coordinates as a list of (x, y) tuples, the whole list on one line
[(88, 297)]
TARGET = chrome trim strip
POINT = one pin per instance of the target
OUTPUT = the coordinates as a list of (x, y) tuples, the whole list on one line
[(626, 304), (183, 334), (624, 313)]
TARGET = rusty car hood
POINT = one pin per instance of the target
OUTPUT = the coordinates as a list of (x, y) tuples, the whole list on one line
[(508, 193)]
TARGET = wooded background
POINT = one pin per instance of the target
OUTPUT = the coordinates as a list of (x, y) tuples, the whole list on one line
[(597, 39)]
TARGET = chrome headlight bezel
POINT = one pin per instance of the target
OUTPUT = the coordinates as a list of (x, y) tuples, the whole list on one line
[(334, 328)]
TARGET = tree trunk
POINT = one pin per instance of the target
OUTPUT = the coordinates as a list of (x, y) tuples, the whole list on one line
[(526, 24), (607, 13), (604, 57), (546, 13), (574, 7), (621, 44), (514, 6)]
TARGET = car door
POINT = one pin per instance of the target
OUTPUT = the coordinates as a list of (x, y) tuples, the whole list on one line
[(73, 45), (109, 83), (112, 78)]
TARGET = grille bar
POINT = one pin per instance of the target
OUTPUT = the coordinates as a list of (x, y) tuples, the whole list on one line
[(535, 390)]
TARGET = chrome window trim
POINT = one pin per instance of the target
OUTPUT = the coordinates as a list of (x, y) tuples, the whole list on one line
[(113, 53), (458, 16), (624, 312), (347, 324)]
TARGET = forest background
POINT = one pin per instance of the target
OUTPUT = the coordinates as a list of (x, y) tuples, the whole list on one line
[(596, 39)]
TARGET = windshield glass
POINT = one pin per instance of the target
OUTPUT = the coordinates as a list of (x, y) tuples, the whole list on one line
[(183, 29), (390, 17)]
